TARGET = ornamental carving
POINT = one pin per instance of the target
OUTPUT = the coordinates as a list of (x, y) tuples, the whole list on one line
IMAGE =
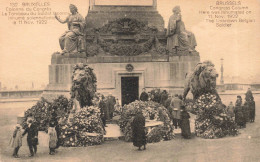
[(125, 37), (126, 26), (129, 67)]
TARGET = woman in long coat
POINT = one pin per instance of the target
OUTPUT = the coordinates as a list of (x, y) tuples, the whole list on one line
[(138, 127), (16, 140), (246, 111), (230, 110), (185, 123), (53, 139)]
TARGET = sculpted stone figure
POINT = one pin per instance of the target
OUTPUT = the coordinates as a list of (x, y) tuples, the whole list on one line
[(178, 38), (201, 80), (83, 86), (72, 40)]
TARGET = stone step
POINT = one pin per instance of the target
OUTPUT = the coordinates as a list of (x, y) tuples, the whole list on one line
[(113, 132)]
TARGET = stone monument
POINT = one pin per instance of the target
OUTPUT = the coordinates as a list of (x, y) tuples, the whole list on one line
[(127, 48)]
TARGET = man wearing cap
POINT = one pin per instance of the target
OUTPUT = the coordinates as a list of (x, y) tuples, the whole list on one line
[(176, 104)]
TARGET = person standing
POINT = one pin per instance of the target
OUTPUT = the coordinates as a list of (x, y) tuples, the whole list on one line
[(230, 109), (157, 96), (53, 139), (246, 111), (118, 108), (111, 101), (16, 140), (103, 111), (168, 106), (249, 95), (176, 104), (144, 96), (58, 131), (185, 123), (138, 127), (164, 97), (239, 116), (32, 137), (252, 110)]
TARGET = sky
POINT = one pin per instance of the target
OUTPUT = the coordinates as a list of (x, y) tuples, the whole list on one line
[(25, 50)]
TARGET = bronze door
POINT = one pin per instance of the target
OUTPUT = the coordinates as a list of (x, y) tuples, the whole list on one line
[(129, 89)]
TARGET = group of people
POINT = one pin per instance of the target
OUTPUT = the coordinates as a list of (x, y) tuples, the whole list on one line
[(155, 95), (175, 105), (243, 113), (177, 113), (31, 129), (32, 138), (108, 106)]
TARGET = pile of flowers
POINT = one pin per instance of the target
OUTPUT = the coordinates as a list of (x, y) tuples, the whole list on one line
[(212, 120), (85, 129), (151, 111), (42, 111)]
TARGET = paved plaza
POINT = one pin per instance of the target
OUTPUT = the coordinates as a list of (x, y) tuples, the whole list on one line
[(243, 148)]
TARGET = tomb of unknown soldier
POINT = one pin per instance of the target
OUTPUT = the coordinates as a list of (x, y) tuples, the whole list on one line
[(123, 75), (115, 53), (128, 48)]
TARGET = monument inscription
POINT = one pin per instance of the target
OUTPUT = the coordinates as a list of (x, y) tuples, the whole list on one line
[(227, 13), (29, 13)]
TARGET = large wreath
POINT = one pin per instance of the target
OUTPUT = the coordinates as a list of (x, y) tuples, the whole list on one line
[(212, 120), (86, 129), (151, 111)]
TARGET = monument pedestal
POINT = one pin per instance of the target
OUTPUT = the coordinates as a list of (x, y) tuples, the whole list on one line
[(159, 71), (127, 48)]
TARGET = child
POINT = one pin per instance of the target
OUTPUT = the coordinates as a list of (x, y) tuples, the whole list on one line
[(16, 140), (185, 123), (52, 138)]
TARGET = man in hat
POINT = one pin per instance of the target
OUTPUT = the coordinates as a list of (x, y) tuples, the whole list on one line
[(32, 137), (144, 96)]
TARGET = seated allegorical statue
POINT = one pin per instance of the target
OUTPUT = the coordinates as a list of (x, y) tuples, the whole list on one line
[(73, 39), (178, 38)]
